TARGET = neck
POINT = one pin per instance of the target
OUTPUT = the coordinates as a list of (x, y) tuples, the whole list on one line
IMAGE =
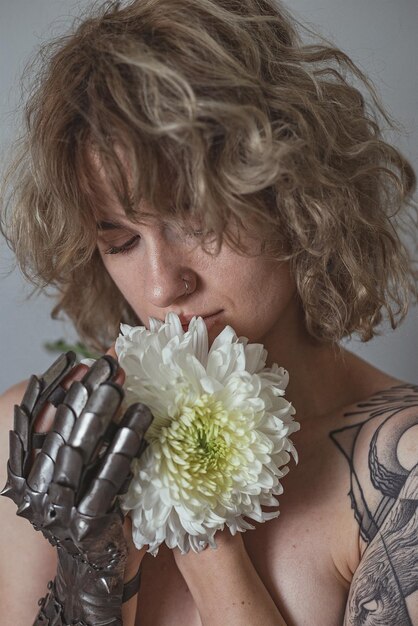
[(323, 377)]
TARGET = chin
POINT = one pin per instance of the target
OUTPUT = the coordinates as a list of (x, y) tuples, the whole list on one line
[(214, 332)]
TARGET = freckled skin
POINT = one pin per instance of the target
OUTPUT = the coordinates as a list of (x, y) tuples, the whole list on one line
[(254, 293), (389, 570), (387, 577), (258, 297)]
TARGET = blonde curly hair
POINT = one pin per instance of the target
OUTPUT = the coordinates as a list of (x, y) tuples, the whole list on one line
[(225, 116)]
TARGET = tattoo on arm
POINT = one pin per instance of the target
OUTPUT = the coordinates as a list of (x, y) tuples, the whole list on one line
[(387, 577)]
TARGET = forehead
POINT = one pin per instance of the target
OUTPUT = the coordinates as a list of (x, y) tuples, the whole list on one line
[(107, 221), (107, 206)]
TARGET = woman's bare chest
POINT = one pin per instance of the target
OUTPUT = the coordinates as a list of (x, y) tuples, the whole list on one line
[(305, 558), (294, 555)]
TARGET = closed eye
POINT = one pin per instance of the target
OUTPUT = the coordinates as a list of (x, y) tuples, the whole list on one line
[(124, 248)]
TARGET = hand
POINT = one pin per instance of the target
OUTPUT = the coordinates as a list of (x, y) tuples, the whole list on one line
[(225, 585), (135, 556), (195, 565), (69, 490)]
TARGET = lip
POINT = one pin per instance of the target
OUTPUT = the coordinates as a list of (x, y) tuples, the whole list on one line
[(209, 319)]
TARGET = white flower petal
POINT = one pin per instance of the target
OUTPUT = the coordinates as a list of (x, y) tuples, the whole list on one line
[(219, 441), (255, 357), (200, 340), (154, 324), (88, 362), (173, 325)]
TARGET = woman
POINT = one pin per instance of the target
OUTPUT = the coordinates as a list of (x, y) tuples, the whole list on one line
[(197, 158)]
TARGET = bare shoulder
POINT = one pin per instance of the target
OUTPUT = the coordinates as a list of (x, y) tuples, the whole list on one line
[(28, 561), (378, 437), (11, 396)]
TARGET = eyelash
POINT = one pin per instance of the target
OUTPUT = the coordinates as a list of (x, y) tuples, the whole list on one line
[(126, 247), (129, 245)]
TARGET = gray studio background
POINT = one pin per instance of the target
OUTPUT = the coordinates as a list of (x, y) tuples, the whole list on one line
[(380, 35)]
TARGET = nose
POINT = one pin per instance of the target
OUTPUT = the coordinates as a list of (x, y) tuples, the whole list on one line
[(167, 265)]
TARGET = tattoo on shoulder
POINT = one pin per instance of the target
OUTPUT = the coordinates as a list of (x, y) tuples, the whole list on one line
[(384, 589)]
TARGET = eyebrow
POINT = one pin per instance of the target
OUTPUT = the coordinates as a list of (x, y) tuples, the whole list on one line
[(104, 225), (114, 224)]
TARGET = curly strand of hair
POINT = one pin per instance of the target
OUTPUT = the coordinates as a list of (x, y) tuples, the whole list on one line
[(247, 122)]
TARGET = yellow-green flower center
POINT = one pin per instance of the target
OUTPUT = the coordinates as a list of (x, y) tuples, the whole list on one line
[(199, 451)]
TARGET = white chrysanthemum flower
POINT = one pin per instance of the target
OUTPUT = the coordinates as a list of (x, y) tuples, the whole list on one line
[(219, 442)]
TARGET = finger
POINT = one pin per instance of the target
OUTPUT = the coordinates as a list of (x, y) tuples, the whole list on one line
[(34, 399), (41, 473), (76, 374), (46, 415), (39, 388), (76, 388), (112, 351), (117, 461), (137, 417), (68, 467), (66, 429), (90, 428), (121, 374), (82, 371), (19, 441), (102, 370), (77, 396), (84, 443), (46, 389), (119, 378), (42, 470)]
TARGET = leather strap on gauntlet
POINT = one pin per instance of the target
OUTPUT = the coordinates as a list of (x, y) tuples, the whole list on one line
[(69, 490)]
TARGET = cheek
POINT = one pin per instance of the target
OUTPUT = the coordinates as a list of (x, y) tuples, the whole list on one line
[(262, 293), (272, 293), (125, 280), (267, 283)]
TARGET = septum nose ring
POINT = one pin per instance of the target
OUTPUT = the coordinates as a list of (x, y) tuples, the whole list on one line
[(186, 284)]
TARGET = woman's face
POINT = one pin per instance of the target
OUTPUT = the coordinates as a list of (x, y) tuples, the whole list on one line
[(256, 296)]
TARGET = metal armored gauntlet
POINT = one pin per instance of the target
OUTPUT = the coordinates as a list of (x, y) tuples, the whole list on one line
[(69, 489)]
